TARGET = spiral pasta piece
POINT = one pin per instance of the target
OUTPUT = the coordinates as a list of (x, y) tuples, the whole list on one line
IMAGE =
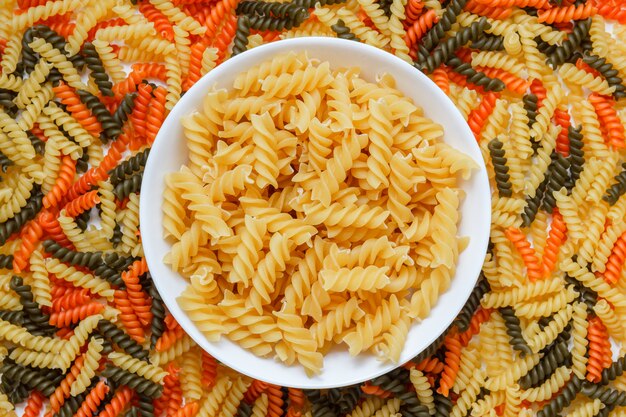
[(598, 343), (615, 261), (606, 243), (562, 14), (556, 238), (526, 252), (478, 117), (608, 119)]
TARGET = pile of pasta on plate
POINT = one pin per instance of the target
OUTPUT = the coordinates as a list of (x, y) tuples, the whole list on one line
[(317, 209)]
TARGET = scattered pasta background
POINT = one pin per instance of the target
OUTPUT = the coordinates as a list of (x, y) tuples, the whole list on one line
[(83, 331)]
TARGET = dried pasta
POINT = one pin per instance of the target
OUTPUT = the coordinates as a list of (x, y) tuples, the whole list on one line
[(257, 269)]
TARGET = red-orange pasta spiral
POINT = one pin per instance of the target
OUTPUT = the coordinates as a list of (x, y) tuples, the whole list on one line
[(67, 171), (610, 121), (112, 103), (217, 16), (478, 116), (65, 333), (451, 365), (440, 77), (58, 290), (59, 18), (129, 85), (270, 36), (78, 110), (34, 404), (609, 11), (537, 4), (556, 237), (513, 83), (101, 172), (136, 142), (567, 27), (128, 317), (431, 381), (293, 413), (52, 229), (192, 8), (84, 183), (296, 398), (526, 251), (608, 352), (170, 322), (25, 4), (209, 370), (415, 32), (363, 17), (413, 11), (76, 314), (175, 399), (168, 338), (161, 23), (189, 410), (481, 316), (431, 365), (254, 391), (563, 14), (118, 402), (275, 398), (151, 70), (199, 12), (82, 203), (61, 26), (598, 340), (195, 62), (169, 382), (140, 111), (36, 130), (62, 392), (70, 298), (138, 299), (475, 7), (31, 235), (92, 400), (370, 389), (561, 117), (225, 36), (616, 260), (113, 157), (537, 88), (156, 114)]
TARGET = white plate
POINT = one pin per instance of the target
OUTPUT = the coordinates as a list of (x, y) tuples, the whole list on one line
[(169, 153)]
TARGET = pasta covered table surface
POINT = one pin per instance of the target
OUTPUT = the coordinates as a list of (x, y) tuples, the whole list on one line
[(83, 331)]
